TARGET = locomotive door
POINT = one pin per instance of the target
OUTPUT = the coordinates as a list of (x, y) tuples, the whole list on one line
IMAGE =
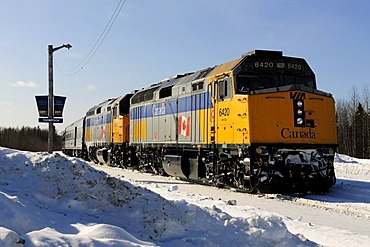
[(212, 131), (222, 127)]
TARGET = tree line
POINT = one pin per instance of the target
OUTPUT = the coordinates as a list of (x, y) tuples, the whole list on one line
[(29, 139), (353, 124)]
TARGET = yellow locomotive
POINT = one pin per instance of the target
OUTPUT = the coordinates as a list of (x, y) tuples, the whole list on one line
[(286, 126), (257, 123)]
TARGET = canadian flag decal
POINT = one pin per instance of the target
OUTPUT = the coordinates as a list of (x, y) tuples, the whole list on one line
[(184, 126)]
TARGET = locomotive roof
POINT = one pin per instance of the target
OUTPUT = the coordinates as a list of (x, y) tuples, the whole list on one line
[(125, 97), (168, 86), (172, 87), (219, 69), (164, 88), (102, 107), (183, 79)]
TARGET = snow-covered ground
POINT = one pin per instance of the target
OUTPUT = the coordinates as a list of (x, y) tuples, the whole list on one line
[(53, 200)]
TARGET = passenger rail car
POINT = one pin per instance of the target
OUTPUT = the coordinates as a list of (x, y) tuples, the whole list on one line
[(256, 123), (73, 141)]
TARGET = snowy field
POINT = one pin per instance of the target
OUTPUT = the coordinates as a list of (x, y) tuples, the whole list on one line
[(53, 200)]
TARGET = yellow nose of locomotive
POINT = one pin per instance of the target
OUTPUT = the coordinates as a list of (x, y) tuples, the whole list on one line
[(292, 117)]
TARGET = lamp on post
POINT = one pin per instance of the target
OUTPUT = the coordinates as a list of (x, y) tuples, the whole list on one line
[(51, 95)]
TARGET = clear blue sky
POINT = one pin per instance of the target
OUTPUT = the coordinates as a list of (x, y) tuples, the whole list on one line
[(152, 40)]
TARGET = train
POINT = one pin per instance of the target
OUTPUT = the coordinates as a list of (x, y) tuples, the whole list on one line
[(257, 123)]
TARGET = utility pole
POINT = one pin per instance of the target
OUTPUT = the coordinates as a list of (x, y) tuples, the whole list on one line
[(51, 50)]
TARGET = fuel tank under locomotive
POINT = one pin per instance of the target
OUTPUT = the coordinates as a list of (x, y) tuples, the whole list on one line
[(183, 166)]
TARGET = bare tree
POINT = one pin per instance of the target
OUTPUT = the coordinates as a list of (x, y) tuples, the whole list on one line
[(353, 119), (366, 129)]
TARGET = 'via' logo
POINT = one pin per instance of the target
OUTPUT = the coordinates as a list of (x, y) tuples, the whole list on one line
[(297, 95)]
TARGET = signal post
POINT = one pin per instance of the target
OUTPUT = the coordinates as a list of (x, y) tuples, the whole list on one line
[(53, 106)]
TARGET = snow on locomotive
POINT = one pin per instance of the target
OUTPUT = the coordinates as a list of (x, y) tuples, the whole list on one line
[(256, 123)]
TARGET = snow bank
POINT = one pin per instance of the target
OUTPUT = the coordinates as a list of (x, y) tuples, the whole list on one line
[(347, 165), (52, 200)]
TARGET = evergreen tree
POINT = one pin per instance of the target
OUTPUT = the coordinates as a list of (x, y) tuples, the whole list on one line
[(29, 139), (359, 131)]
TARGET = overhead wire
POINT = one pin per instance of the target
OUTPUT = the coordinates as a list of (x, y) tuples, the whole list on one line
[(97, 44)]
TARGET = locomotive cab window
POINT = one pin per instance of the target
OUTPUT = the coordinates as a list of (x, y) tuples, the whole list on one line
[(124, 108), (212, 88), (307, 81), (253, 82), (115, 112), (224, 89), (271, 73)]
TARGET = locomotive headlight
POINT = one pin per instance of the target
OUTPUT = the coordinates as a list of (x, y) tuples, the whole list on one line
[(299, 111), (299, 121)]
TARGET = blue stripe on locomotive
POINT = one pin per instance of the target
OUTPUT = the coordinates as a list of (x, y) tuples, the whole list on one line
[(167, 107), (98, 120)]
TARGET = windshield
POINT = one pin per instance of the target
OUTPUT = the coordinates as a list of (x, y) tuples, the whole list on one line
[(250, 82)]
